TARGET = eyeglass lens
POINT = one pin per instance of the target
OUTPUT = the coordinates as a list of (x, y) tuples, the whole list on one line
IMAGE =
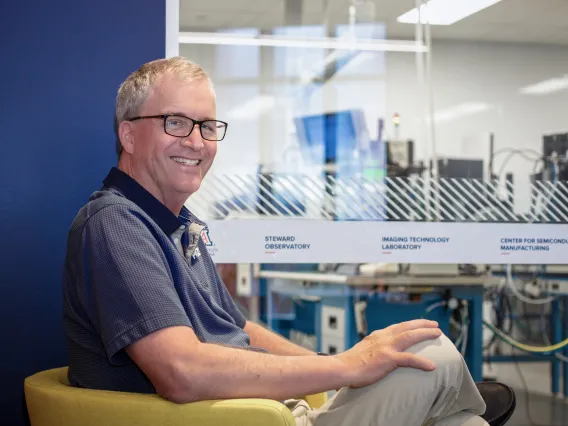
[(181, 127)]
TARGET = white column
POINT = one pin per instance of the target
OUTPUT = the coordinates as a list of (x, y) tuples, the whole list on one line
[(172, 28)]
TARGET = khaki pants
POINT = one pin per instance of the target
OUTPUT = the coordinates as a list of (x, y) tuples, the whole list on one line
[(446, 396)]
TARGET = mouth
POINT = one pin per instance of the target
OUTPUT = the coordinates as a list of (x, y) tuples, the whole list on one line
[(186, 161)]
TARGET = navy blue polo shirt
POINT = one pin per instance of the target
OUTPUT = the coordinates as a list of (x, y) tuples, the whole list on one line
[(133, 267)]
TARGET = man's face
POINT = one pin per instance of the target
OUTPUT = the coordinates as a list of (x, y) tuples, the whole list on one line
[(154, 152)]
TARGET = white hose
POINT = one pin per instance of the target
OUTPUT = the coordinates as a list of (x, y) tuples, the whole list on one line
[(520, 296), (434, 306), (465, 329)]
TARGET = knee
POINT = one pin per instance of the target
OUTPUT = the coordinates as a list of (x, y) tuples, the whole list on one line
[(449, 362)]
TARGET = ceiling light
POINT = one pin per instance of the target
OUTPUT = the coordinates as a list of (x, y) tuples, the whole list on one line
[(547, 86), (444, 12), (304, 42)]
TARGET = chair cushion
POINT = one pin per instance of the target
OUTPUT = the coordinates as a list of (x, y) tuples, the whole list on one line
[(500, 401)]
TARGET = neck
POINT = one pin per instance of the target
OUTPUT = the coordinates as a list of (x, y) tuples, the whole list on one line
[(174, 205)]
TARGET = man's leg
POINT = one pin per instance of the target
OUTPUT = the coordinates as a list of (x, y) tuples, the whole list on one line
[(463, 418), (408, 397)]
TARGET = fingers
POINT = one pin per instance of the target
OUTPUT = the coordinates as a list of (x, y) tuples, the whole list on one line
[(408, 338), (412, 325), (409, 360)]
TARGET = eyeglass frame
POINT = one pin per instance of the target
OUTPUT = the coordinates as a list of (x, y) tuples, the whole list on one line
[(164, 118)]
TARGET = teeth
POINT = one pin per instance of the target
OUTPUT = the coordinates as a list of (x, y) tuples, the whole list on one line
[(186, 161)]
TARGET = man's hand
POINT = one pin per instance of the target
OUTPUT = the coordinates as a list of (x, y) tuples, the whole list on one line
[(382, 352)]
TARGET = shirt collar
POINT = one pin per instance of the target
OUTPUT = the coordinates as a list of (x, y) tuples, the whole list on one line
[(159, 213)]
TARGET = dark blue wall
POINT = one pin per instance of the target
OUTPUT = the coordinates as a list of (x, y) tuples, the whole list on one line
[(60, 65)]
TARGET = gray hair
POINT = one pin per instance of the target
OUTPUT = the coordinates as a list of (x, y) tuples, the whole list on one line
[(134, 91)]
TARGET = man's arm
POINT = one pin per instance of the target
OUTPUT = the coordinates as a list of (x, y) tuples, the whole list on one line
[(182, 369), (260, 337)]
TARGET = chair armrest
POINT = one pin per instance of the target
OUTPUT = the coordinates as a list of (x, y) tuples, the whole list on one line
[(316, 400), (238, 412), (53, 403)]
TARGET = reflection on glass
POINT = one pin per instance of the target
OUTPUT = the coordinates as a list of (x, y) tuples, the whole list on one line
[(307, 125)]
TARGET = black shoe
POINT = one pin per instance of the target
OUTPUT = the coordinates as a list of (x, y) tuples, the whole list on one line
[(500, 401)]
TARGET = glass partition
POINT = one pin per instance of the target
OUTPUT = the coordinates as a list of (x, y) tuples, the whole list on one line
[(430, 128)]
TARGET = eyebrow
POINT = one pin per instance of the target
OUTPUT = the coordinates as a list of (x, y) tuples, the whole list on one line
[(184, 115)]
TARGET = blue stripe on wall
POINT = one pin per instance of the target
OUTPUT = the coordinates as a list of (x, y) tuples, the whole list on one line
[(60, 65)]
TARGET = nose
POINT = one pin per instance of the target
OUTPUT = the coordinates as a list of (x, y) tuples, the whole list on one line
[(194, 139)]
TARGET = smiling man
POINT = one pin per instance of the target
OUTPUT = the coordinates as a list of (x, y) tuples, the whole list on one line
[(145, 310)]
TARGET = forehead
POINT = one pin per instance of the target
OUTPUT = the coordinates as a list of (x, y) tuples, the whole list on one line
[(172, 94)]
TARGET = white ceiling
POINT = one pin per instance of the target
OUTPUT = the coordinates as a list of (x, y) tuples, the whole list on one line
[(518, 21)]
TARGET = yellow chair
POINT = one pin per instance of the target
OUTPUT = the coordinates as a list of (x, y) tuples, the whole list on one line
[(52, 401)]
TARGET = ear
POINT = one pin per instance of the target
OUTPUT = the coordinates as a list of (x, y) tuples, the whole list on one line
[(126, 136)]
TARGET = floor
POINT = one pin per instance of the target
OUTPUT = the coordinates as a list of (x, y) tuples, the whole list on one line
[(544, 411)]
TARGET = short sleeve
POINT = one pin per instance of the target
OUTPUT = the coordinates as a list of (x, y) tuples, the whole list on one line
[(130, 289), (229, 304)]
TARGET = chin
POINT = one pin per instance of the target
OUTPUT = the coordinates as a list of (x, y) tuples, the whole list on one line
[(189, 187)]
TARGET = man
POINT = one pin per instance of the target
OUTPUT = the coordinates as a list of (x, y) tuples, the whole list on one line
[(145, 310)]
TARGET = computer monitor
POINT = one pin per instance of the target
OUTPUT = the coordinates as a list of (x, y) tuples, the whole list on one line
[(332, 137), (557, 143), (460, 168), (341, 139)]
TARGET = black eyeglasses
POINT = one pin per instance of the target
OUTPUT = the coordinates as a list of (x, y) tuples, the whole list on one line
[(181, 126)]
